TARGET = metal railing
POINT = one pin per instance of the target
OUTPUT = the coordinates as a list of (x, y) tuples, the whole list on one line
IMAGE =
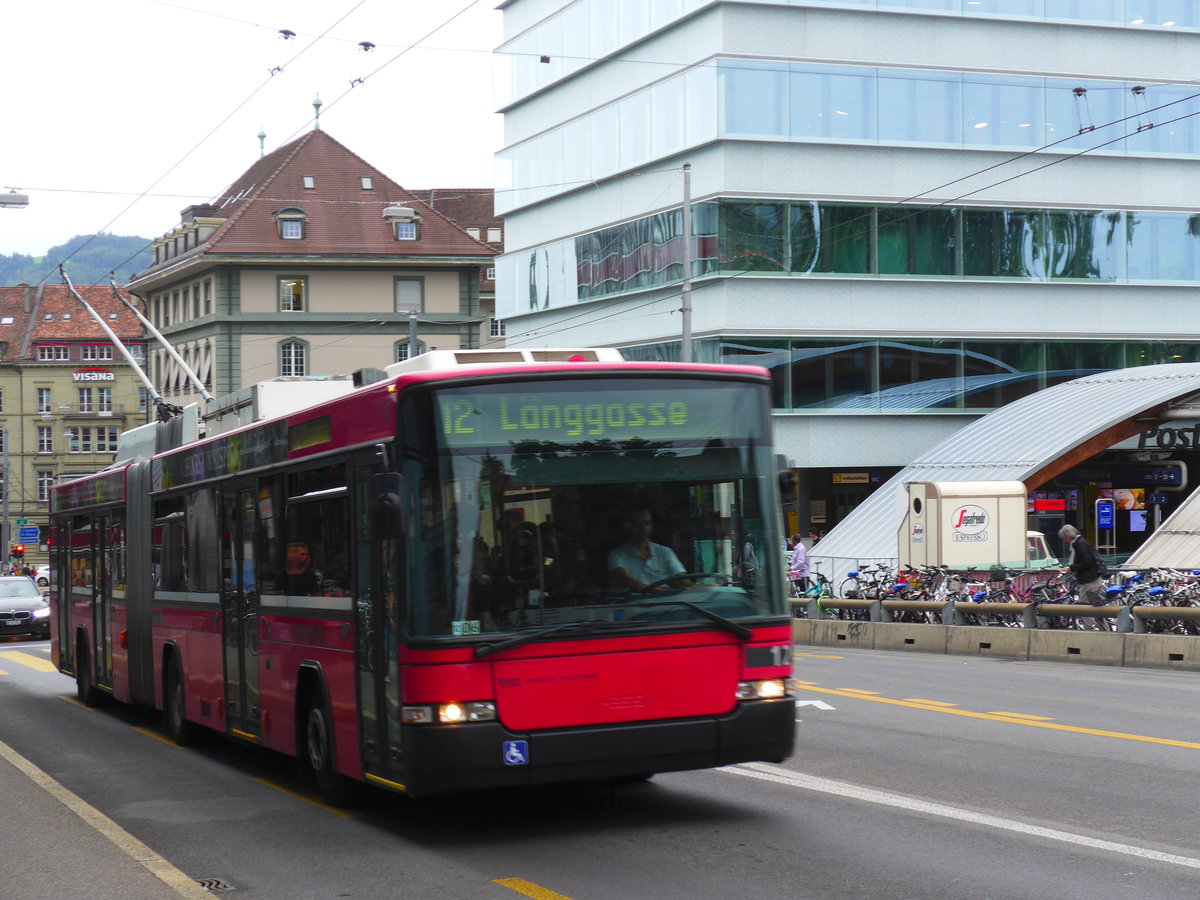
[(1127, 616)]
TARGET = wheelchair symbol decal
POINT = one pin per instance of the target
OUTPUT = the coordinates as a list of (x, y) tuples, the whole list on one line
[(516, 753)]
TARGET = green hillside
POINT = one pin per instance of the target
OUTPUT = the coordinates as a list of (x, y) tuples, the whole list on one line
[(104, 253)]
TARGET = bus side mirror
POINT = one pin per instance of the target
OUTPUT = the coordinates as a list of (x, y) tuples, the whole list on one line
[(388, 489), (787, 475)]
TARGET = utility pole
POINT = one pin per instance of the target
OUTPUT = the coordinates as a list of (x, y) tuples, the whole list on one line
[(5, 532), (685, 351)]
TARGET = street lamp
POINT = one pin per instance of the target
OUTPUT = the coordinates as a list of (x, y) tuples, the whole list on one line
[(14, 200), (403, 215), (396, 214)]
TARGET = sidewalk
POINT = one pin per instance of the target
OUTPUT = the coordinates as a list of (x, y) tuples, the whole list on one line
[(54, 848)]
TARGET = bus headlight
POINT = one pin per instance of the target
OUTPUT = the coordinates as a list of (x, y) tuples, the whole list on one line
[(449, 713), (768, 689), (478, 711)]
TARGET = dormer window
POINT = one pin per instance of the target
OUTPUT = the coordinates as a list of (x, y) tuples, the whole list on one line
[(473, 232), (310, 183), (406, 231), (291, 223)]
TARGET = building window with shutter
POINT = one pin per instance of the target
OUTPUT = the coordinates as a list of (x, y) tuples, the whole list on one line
[(410, 294)]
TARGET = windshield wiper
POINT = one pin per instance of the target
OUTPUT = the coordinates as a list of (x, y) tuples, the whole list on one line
[(732, 627), (526, 636)]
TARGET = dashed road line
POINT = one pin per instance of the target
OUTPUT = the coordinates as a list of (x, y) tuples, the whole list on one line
[(529, 889), (1010, 718), (29, 660), (341, 813)]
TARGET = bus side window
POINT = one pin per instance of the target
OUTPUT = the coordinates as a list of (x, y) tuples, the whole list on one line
[(316, 559)]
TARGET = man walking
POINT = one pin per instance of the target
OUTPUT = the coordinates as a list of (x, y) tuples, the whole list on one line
[(1087, 567)]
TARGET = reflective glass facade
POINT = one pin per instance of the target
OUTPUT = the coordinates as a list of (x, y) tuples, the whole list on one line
[(589, 30), (749, 99), (890, 375), (801, 238)]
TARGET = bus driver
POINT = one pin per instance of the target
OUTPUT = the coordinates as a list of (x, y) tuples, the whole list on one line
[(639, 562)]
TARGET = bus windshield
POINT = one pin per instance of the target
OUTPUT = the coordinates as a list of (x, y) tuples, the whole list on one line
[(595, 503)]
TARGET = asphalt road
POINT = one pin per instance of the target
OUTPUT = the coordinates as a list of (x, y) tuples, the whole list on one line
[(916, 776)]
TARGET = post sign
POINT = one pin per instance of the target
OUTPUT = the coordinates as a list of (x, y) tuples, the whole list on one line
[(1105, 514), (28, 534)]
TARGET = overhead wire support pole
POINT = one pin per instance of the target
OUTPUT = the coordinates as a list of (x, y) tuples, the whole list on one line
[(685, 350), (158, 336), (165, 409)]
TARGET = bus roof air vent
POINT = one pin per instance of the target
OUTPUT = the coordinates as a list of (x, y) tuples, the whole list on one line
[(450, 359)]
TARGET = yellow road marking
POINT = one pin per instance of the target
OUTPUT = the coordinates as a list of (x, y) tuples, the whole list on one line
[(1073, 729), (342, 813), (159, 867), (928, 702), (1021, 716), (818, 656), (151, 733), (74, 702), (28, 659), (854, 692), (529, 889), (2, 672)]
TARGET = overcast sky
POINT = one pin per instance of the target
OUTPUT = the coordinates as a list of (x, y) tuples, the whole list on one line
[(109, 99)]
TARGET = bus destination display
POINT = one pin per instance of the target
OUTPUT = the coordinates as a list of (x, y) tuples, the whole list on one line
[(666, 413)]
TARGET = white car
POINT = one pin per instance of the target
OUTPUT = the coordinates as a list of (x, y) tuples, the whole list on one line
[(41, 575)]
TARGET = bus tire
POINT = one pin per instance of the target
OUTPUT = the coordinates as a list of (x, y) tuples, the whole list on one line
[(85, 689), (182, 732), (333, 787)]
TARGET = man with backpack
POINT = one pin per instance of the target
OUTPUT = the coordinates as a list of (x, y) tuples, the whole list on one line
[(1086, 565)]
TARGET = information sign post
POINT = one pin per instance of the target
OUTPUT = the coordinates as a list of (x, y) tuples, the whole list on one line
[(1106, 532)]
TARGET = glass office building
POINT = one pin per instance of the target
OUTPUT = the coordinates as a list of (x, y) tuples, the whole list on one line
[(910, 212)]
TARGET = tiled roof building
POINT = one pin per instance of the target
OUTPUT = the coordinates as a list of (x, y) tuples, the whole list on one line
[(293, 270), (66, 393)]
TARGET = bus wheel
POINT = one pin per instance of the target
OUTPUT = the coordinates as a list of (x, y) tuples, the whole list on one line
[(332, 787), (182, 731), (84, 689)]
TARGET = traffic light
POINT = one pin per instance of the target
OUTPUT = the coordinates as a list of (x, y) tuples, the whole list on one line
[(18, 551)]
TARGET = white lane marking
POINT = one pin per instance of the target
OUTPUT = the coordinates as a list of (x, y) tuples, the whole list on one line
[(779, 775), (819, 704), (177, 880)]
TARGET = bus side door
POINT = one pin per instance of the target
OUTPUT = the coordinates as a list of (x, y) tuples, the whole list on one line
[(239, 612), (375, 644)]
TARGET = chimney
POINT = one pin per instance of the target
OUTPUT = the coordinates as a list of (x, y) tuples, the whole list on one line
[(26, 296)]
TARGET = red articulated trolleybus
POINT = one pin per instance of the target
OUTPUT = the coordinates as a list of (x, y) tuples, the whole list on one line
[(490, 568)]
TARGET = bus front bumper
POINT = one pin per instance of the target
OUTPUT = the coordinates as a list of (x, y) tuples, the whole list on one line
[(445, 759)]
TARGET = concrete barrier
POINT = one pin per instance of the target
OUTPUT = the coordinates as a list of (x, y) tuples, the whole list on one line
[(1170, 651), (836, 633), (1077, 646), (910, 636), (972, 640), (1051, 645), (802, 631)]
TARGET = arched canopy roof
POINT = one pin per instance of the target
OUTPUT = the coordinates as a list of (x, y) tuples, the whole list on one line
[(1031, 440)]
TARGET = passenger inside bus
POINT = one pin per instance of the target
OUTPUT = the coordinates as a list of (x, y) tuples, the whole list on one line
[(300, 578)]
